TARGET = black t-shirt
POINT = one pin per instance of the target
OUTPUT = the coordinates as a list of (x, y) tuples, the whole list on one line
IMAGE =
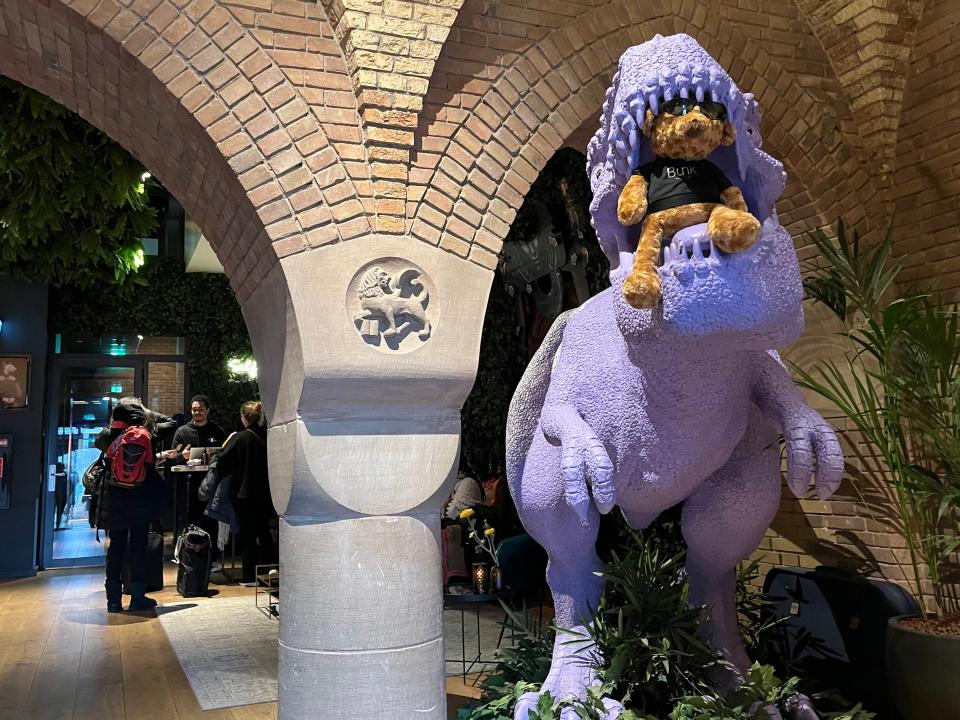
[(671, 183), (210, 435)]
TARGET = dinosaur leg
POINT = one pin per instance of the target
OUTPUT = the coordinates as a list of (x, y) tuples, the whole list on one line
[(638, 520), (642, 288), (723, 522), (569, 542)]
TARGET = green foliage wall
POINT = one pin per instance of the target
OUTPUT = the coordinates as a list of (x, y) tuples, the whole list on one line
[(504, 350), (72, 203), (166, 301)]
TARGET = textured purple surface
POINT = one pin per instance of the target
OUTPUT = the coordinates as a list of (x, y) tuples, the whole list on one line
[(646, 409)]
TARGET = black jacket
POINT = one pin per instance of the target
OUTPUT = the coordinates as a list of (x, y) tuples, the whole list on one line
[(210, 435), (245, 459), (119, 508)]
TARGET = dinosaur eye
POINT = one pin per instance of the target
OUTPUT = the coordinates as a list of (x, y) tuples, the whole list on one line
[(597, 173)]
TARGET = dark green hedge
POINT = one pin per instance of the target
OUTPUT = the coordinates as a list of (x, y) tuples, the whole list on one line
[(73, 207), (200, 307)]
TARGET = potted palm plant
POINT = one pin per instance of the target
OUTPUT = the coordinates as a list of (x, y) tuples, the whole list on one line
[(898, 383)]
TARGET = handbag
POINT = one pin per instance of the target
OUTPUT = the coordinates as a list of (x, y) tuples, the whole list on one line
[(95, 474)]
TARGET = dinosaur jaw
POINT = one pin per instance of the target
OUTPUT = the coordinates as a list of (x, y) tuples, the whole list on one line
[(755, 295)]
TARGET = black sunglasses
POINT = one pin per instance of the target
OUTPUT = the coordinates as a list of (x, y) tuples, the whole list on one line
[(681, 106)]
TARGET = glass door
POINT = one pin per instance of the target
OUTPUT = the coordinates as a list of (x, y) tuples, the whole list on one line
[(82, 399)]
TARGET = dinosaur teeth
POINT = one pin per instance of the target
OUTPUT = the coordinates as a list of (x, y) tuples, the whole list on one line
[(696, 251), (677, 251)]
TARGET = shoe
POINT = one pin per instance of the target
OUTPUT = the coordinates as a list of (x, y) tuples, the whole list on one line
[(216, 567), (247, 583), (138, 598), (114, 590)]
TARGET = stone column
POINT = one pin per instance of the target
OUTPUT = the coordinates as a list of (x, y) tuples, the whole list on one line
[(364, 443)]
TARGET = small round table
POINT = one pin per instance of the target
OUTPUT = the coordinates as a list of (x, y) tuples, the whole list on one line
[(190, 470), (452, 601)]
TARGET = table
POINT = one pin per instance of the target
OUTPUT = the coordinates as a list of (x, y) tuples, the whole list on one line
[(201, 470), (453, 601), (189, 470)]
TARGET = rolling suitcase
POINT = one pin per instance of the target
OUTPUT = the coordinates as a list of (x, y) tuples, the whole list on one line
[(833, 630), (192, 556), (153, 569)]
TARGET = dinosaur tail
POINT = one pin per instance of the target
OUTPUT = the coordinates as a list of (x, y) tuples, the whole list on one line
[(527, 402)]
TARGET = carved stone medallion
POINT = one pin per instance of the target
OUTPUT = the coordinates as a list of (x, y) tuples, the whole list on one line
[(388, 301)]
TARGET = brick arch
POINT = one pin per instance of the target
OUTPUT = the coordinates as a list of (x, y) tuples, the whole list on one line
[(189, 94), (558, 84), (869, 47)]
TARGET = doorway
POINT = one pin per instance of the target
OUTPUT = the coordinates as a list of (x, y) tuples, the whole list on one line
[(83, 390)]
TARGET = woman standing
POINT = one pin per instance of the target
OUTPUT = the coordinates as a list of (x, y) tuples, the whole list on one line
[(126, 512), (244, 460)]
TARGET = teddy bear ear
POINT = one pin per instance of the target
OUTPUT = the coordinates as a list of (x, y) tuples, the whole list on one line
[(648, 120), (729, 133)]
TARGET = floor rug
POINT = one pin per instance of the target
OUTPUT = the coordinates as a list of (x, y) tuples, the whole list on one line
[(228, 648)]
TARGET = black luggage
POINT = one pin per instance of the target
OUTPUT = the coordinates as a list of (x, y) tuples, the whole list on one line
[(833, 631), (192, 556), (153, 569)]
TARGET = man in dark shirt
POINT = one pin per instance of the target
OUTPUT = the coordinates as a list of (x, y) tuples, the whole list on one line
[(197, 433)]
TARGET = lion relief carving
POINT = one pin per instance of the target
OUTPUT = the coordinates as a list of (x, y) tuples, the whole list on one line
[(392, 307)]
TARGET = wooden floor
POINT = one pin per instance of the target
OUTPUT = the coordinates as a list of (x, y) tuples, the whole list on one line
[(63, 657)]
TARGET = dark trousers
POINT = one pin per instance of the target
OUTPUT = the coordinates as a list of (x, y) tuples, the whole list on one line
[(136, 539), (255, 537)]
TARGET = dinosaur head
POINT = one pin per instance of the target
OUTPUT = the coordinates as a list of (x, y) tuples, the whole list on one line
[(669, 94)]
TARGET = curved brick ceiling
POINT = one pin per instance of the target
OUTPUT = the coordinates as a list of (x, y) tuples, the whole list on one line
[(869, 43), (491, 132), (390, 49)]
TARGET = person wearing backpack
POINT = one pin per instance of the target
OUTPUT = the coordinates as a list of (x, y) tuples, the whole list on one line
[(131, 495)]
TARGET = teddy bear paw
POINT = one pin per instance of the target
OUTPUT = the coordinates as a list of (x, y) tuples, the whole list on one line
[(733, 230), (642, 291), (632, 203)]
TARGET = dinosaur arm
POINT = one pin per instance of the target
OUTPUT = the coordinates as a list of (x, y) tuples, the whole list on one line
[(773, 388), (733, 198), (812, 446), (584, 461)]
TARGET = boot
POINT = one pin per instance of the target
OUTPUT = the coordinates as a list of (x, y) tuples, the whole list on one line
[(114, 590), (138, 600)]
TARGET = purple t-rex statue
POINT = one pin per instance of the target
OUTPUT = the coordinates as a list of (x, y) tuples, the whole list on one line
[(644, 409)]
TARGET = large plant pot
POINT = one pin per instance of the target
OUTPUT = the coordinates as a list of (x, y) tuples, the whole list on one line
[(924, 672)]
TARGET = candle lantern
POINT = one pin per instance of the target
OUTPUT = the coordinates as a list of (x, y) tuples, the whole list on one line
[(481, 578)]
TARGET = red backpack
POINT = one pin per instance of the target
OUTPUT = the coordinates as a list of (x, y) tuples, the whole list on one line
[(128, 456)]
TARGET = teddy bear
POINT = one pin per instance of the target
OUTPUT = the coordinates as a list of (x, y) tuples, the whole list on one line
[(681, 188)]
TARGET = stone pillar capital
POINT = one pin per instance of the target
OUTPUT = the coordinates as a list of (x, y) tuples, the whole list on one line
[(364, 377)]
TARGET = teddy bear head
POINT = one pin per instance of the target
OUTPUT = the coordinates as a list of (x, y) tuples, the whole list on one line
[(688, 129)]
